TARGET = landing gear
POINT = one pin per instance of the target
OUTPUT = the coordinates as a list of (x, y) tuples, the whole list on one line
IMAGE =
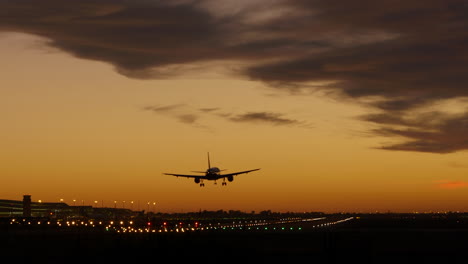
[(198, 180), (224, 183)]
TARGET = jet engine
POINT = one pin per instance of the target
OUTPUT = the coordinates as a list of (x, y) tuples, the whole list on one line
[(197, 180), (230, 178)]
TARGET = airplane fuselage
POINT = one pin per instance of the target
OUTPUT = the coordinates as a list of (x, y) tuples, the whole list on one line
[(213, 170), (212, 173)]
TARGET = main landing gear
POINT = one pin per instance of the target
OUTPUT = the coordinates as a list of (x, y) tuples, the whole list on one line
[(223, 184)]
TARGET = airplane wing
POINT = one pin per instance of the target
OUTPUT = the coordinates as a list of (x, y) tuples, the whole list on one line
[(184, 175), (236, 173)]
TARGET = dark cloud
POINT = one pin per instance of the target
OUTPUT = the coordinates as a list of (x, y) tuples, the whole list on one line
[(141, 37), (430, 132), (180, 112), (403, 54), (134, 36), (189, 115), (408, 54), (263, 117), (208, 110), (188, 118), (164, 108)]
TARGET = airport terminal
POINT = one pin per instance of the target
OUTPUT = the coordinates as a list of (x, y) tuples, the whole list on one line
[(59, 210)]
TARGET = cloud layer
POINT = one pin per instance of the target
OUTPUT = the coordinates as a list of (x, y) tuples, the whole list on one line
[(190, 115), (397, 56)]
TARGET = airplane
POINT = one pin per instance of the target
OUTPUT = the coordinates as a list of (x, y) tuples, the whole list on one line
[(212, 174)]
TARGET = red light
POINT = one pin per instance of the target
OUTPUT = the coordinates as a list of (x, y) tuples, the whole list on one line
[(149, 223)]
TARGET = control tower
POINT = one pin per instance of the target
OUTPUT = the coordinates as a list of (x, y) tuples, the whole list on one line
[(27, 206)]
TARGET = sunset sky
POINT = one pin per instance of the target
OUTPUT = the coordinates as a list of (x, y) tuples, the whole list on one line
[(357, 106)]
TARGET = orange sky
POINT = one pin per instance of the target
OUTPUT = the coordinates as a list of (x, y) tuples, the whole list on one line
[(77, 129), (74, 129)]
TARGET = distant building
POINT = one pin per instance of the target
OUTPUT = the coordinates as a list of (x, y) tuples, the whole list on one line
[(27, 208), (10, 208)]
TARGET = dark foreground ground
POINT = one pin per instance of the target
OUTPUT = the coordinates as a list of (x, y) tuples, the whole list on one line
[(365, 240)]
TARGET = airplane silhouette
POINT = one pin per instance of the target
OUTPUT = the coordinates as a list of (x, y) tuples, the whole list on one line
[(211, 174)]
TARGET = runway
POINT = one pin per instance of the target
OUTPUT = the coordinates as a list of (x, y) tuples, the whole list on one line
[(320, 240)]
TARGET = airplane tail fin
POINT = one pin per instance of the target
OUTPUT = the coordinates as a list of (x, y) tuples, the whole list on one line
[(209, 165)]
